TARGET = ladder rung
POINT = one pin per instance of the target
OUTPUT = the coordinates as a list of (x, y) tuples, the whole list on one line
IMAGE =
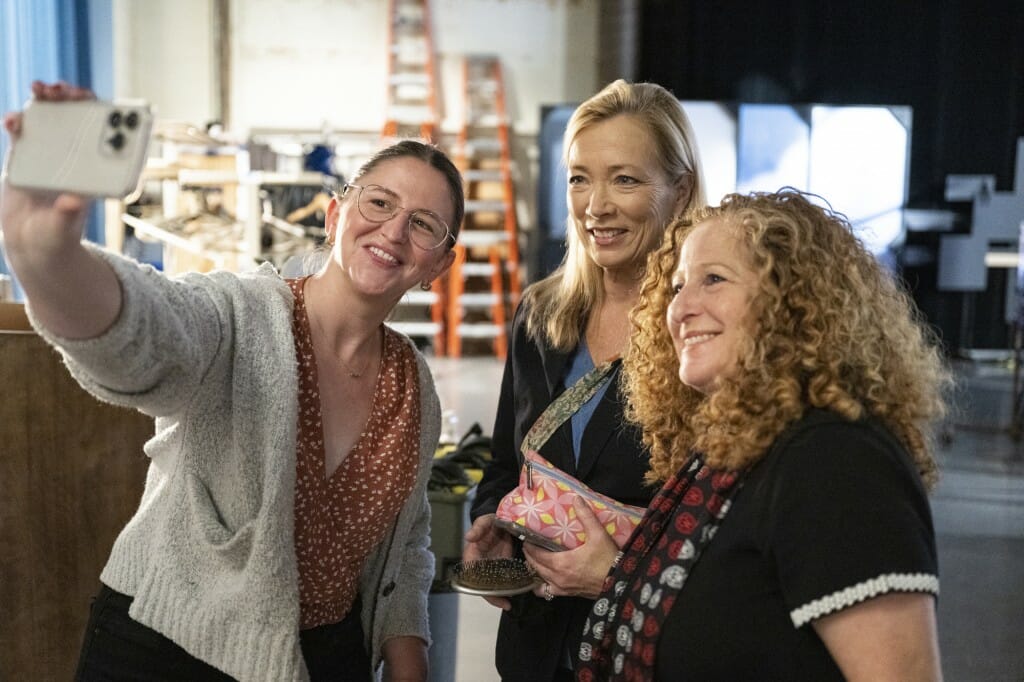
[(479, 331), (411, 61), (476, 269), (479, 300), (411, 95), (410, 42), (411, 78), (409, 113), (418, 297), (483, 145), (488, 205), (396, 130), (484, 87), (482, 70), (408, 15), (412, 103), (416, 328), (483, 175), (482, 237), (489, 120)]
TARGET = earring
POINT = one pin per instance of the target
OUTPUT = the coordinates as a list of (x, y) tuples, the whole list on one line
[(425, 286)]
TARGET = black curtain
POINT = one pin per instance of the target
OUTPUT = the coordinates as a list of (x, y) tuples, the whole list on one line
[(958, 63)]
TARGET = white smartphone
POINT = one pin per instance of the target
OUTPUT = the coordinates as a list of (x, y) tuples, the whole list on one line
[(87, 147)]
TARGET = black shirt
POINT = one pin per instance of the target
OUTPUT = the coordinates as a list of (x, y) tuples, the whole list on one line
[(834, 514)]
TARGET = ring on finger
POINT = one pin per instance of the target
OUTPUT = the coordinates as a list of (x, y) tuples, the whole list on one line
[(547, 592)]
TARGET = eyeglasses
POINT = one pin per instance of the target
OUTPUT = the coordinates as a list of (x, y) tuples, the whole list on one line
[(379, 204)]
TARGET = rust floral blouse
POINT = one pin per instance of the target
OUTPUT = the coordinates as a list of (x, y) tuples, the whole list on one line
[(339, 520)]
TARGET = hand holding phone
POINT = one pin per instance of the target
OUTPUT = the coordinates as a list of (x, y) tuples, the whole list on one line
[(527, 535), (87, 147)]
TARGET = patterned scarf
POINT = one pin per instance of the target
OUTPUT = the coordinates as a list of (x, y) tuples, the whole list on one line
[(621, 634)]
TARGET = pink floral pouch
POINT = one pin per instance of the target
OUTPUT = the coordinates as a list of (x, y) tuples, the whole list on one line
[(543, 503)]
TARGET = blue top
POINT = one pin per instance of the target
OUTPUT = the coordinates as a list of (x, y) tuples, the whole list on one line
[(579, 364)]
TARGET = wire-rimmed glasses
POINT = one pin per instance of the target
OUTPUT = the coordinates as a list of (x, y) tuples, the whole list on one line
[(378, 204)]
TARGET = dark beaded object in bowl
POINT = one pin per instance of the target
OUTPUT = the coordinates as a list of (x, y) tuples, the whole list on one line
[(494, 575)]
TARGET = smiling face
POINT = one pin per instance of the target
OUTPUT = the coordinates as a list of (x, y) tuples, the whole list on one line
[(618, 194), (379, 258), (714, 285)]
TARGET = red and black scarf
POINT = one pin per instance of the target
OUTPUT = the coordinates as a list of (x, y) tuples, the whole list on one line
[(621, 634)]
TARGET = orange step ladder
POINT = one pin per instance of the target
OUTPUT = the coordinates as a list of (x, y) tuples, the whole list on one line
[(412, 112), (411, 88), (484, 285)]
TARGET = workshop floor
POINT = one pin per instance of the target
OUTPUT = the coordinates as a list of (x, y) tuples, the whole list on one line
[(979, 519)]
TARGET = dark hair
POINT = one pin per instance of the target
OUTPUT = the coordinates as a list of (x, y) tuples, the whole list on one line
[(433, 157)]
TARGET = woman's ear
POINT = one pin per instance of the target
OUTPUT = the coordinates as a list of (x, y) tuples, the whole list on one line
[(684, 191), (443, 264), (331, 218)]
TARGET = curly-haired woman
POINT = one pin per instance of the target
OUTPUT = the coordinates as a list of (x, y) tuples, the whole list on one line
[(785, 385)]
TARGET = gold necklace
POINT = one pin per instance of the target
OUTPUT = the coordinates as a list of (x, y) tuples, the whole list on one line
[(355, 374)]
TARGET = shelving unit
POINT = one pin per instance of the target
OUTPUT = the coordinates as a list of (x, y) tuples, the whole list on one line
[(208, 210)]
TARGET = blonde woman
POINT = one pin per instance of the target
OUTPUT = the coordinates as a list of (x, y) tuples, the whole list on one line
[(786, 386), (632, 166)]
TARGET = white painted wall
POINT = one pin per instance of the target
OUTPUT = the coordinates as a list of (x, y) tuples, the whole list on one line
[(548, 50), (164, 53), (310, 64)]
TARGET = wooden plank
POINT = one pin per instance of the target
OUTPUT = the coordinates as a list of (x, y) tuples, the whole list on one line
[(13, 318), (71, 475)]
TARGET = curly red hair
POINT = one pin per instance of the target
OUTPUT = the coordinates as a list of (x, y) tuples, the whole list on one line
[(831, 328)]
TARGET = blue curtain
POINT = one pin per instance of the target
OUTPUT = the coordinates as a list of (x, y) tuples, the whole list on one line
[(51, 40)]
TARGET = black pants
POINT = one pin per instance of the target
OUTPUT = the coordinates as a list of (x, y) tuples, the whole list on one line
[(118, 648)]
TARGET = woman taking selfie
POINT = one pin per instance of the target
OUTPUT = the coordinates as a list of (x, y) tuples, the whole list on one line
[(283, 530)]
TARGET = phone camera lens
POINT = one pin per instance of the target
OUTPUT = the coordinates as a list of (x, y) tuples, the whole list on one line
[(117, 141), (131, 120), (114, 119)]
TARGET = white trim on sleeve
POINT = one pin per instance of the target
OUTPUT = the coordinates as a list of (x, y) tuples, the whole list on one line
[(892, 582)]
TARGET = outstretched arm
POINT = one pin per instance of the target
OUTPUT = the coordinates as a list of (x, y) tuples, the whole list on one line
[(72, 293)]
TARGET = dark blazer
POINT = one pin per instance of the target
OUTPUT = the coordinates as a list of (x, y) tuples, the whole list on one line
[(533, 635)]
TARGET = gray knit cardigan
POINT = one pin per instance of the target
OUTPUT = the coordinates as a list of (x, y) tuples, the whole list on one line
[(209, 555)]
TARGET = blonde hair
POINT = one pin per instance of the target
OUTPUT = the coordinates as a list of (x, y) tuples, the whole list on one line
[(829, 328), (560, 303)]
